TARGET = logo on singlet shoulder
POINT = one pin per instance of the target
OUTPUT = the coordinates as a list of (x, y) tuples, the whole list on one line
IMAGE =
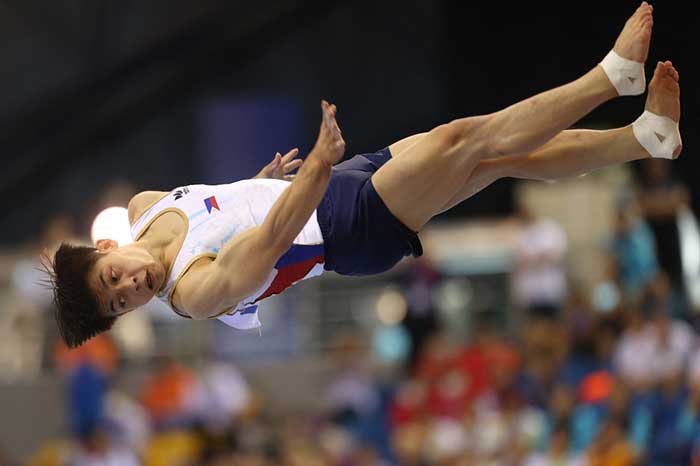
[(210, 203), (180, 193)]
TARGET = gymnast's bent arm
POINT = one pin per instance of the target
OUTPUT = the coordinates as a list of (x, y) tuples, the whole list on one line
[(245, 262)]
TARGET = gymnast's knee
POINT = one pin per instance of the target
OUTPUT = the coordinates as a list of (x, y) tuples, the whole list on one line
[(457, 134)]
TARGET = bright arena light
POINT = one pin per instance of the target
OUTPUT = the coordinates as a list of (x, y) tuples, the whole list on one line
[(112, 223), (391, 307)]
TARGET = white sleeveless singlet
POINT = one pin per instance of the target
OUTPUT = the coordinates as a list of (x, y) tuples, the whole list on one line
[(217, 213)]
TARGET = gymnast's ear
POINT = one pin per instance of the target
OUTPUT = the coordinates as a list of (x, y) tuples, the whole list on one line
[(105, 245)]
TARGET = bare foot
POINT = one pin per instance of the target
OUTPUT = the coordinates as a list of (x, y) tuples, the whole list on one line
[(664, 95), (633, 41)]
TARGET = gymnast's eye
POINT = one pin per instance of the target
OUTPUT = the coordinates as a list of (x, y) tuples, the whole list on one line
[(113, 277)]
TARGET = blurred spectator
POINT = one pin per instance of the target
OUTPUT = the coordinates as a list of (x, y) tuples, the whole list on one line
[(420, 318), (170, 395), (662, 196), (88, 370), (632, 248), (409, 403), (674, 425), (602, 398), (456, 375), (577, 339), (543, 348), (224, 395), (354, 399), (23, 322), (87, 388), (579, 317), (506, 427), (659, 297), (674, 340), (593, 354), (351, 394), (126, 421), (591, 410), (634, 351), (100, 352), (559, 451), (539, 275), (605, 336), (611, 447), (561, 406)]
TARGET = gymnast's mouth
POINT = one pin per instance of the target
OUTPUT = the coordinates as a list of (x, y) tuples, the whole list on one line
[(149, 281)]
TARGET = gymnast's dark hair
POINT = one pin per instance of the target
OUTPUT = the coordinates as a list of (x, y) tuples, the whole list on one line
[(77, 310)]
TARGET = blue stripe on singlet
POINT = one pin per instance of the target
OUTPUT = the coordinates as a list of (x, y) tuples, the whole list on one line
[(299, 253)]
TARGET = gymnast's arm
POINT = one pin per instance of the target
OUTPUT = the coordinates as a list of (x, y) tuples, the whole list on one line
[(245, 262)]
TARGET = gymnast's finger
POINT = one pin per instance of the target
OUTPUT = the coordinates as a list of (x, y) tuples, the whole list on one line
[(293, 165), (290, 155)]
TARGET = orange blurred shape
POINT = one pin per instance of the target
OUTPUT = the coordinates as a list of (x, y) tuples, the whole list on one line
[(596, 387), (100, 351), (165, 393)]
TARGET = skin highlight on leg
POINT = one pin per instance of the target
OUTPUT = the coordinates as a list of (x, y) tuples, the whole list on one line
[(400, 147)]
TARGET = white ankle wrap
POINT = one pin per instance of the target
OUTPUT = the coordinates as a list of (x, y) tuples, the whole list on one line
[(659, 135), (626, 75)]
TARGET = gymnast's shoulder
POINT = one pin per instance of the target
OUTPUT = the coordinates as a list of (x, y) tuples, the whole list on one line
[(142, 201)]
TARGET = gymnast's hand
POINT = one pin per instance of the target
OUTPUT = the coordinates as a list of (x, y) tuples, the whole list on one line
[(281, 166), (330, 146)]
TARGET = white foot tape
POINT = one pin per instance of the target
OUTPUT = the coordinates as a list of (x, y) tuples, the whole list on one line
[(659, 135), (626, 75)]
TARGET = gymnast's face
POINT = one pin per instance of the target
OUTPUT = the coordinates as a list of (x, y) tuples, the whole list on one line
[(124, 278)]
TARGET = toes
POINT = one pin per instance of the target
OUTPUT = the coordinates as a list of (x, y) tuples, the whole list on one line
[(672, 85), (644, 12), (671, 70)]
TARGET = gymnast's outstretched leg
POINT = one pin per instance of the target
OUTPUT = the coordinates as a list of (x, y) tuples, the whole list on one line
[(576, 152), (418, 183)]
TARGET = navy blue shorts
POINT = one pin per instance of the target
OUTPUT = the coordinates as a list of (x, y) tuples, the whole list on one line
[(361, 236)]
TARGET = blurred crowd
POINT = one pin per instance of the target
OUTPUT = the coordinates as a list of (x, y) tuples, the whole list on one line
[(603, 376)]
